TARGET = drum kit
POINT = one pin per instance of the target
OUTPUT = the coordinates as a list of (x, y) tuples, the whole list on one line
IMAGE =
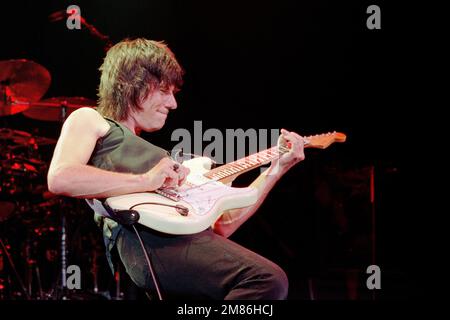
[(30, 216)]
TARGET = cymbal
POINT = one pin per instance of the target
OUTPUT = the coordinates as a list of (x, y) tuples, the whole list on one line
[(7, 110), (52, 109), (9, 134), (21, 81), (20, 166), (34, 140)]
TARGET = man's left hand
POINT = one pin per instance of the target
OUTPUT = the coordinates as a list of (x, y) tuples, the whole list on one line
[(296, 153)]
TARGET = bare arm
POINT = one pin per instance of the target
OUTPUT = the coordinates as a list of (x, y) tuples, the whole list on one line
[(231, 220), (70, 175)]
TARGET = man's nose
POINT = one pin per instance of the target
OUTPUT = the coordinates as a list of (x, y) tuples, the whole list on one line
[(172, 102)]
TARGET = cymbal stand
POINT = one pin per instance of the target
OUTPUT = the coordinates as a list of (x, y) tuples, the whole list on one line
[(5, 92), (32, 266), (61, 289), (13, 267), (5, 97)]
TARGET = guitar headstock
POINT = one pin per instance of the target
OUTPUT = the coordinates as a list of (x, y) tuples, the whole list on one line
[(323, 141)]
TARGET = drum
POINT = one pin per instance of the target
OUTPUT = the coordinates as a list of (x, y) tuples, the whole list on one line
[(21, 169), (19, 176)]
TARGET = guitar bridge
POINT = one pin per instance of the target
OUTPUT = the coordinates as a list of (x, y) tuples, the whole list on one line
[(170, 194)]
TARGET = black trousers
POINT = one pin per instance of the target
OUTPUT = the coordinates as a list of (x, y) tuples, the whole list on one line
[(200, 266)]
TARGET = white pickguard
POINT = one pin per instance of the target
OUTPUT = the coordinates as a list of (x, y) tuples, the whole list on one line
[(205, 199)]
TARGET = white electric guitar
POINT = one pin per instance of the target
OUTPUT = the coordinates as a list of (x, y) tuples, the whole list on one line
[(205, 195)]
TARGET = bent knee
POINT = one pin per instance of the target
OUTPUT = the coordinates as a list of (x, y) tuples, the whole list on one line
[(277, 285)]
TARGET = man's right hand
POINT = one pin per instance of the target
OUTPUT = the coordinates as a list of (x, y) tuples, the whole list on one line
[(166, 174)]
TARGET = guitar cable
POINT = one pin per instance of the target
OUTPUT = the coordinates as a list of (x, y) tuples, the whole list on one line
[(181, 210), (178, 207), (149, 263)]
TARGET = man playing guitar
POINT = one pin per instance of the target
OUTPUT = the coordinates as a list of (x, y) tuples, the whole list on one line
[(100, 155)]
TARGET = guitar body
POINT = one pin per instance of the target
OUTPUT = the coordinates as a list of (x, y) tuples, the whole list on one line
[(205, 199)]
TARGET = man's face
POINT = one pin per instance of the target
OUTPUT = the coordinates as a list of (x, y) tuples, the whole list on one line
[(156, 107)]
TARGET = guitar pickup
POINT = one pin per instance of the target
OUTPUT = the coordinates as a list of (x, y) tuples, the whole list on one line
[(169, 193)]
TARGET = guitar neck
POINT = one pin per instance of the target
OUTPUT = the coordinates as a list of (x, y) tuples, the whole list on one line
[(228, 172), (238, 167)]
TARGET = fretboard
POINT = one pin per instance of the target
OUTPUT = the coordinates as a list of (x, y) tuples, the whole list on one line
[(240, 166), (229, 171)]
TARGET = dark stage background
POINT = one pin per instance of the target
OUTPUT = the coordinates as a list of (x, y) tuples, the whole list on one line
[(310, 67)]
